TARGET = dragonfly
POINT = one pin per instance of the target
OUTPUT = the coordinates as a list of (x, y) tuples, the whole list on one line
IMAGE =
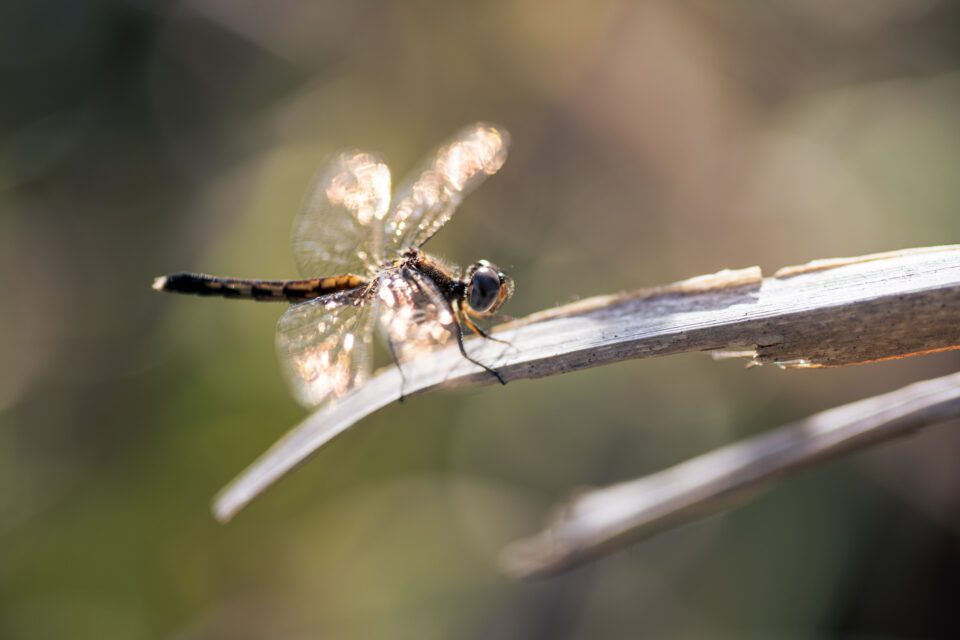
[(365, 272)]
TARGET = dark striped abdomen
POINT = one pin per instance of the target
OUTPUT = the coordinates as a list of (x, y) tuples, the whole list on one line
[(264, 290)]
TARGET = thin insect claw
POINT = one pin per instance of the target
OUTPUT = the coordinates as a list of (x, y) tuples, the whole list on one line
[(493, 372)]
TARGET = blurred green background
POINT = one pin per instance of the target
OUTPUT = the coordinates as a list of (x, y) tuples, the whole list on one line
[(652, 141)]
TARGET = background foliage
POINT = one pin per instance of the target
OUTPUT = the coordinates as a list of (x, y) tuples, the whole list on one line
[(652, 141)]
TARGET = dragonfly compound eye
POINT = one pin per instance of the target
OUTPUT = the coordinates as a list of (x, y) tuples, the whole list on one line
[(483, 290)]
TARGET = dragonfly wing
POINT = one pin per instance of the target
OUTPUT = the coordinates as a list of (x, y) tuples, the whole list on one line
[(325, 345), (429, 197), (339, 228), (414, 316)]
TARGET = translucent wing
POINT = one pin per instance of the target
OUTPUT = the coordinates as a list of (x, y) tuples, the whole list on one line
[(325, 345), (339, 228), (414, 316), (426, 200)]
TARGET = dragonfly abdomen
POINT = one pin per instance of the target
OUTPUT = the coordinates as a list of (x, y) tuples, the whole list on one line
[(262, 290)]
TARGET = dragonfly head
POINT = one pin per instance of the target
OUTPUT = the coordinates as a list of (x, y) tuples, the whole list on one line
[(487, 288)]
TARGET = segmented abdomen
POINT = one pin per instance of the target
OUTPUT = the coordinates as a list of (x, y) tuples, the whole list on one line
[(263, 290)]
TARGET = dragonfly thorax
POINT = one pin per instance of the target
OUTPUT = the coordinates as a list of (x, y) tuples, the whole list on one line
[(481, 292)]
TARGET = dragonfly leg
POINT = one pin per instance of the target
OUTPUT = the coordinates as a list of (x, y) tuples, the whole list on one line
[(396, 360), (463, 351), (480, 332), (456, 313)]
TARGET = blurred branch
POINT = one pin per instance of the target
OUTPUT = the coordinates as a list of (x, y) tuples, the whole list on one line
[(604, 520), (826, 313)]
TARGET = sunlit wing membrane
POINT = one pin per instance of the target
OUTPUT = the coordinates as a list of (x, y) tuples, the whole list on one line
[(413, 315), (429, 197), (339, 228), (325, 345)]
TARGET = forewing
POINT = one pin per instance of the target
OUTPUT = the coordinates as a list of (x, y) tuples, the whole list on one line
[(427, 199), (339, 228), (414, 316), (325, 345)]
